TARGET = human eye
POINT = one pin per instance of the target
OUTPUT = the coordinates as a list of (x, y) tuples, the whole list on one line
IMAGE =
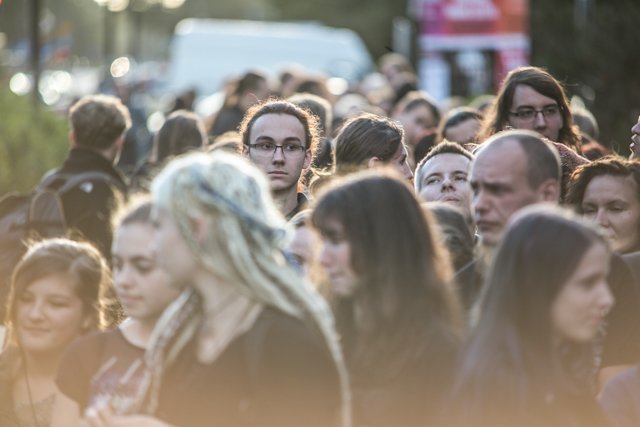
[(59, 302), (25, 297), (525, 113), (432, 180), (144, 266), (550, 110), (264, 146), (460, 177), (617, 207), (292, 148)]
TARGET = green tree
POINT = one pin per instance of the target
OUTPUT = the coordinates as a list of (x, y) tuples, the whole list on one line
[(30, 144)]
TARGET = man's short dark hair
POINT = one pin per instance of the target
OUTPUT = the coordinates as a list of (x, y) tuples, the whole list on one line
[(97, 121)]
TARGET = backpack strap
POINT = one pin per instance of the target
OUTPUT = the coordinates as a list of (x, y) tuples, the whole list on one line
[(62, 182)]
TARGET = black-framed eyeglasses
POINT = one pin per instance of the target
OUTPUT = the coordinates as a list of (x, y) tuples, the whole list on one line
[(528, 113), (268, 149)]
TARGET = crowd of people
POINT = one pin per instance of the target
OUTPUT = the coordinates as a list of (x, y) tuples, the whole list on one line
[(372, 260)]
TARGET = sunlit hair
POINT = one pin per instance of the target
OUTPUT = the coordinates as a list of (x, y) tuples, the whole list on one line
[(98, 121), (181, 132), (497, 117), (415, 99), (137, 211), (514, 337), (455, 117), (609, 165), (364, 137), (80, 262), (406, 305), (308, 120), (243, 246), (444, 147)]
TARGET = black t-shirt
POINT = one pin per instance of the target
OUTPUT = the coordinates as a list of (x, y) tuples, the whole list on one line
[(622, 341), (98, 365), (279, 373)]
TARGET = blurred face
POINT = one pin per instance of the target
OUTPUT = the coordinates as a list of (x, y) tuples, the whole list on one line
[(499, 189), (143, 289), (546, 118), (417, 123), (335, 258), (612, 202), (172, 253), (303, 246), (49, 315), (400, 163), (463, 132), (282, 133), (581, 305), (444, 179)]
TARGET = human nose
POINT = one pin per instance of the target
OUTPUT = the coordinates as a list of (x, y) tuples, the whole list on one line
[(479, 201), (636, 128), (406, 171), (36, 310), (122, 277), (602, 218), (538, 119), (325, 255), (447, 182), (606, 299), (278, 156)]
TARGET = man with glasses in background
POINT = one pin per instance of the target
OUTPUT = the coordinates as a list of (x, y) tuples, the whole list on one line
[(280, 139), (531, 98)]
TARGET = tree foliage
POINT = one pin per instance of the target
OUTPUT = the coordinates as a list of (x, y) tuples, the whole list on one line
[(30, 144), (596, 58)]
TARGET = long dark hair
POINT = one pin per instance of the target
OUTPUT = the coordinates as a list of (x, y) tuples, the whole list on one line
[(497, 118), (407, 306), (511, 354), (364, 137)]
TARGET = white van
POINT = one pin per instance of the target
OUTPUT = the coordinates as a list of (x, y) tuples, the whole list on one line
[(206, 52)]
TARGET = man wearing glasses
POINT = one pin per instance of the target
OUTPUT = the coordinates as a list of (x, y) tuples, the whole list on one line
[(280, 139), (531, 98)]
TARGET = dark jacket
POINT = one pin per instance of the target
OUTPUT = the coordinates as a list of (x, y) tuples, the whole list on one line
[(90, 207)]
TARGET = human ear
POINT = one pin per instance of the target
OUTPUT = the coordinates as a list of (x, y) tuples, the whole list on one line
[(549, 191), (373, 162), (307, 159)]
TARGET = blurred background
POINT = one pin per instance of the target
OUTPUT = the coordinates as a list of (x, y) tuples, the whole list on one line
[(154, 53)]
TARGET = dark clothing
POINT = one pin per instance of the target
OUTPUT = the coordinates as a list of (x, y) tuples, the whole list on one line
[(303, 201), (277, 374), (622, 342), (89, 208), (412, 399), (503, 409), (633, 261), (620, 399), (98, 365)]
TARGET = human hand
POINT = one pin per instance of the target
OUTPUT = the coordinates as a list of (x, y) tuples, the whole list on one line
[(102, 415)]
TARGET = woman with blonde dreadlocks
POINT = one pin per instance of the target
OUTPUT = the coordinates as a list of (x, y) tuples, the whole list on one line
[(248, 343)]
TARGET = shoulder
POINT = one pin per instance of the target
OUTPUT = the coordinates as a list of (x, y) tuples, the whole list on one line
[(281, 341)]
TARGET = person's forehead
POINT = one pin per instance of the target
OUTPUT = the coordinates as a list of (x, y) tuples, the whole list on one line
[(525, 95), (446, 162), (503, 161), (277, 124)]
